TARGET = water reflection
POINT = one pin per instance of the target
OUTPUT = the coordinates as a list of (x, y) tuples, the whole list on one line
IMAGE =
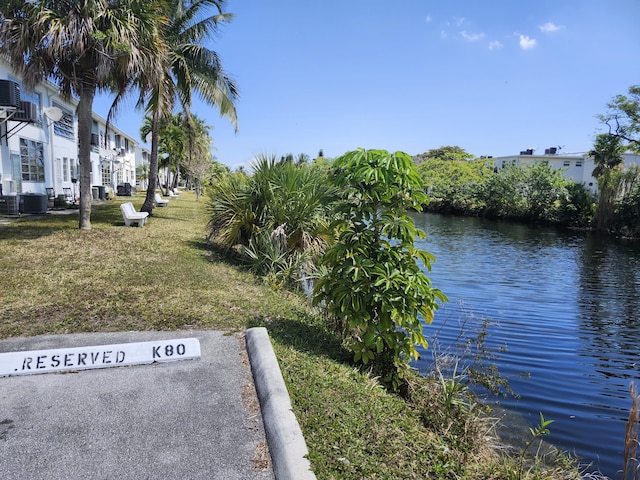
[(609, 297), (566, 305)]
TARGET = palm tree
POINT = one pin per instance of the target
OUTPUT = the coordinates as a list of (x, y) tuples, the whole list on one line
[(173, 143), (198, 159), (607, 157), (83, 46), (142, 172), (189, 66)]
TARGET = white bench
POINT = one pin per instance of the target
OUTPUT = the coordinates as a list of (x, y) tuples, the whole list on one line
[(132, 217), (160, 202)]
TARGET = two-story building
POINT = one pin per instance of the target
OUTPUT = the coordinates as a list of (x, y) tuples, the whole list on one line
[(576, 167), (39, 145)]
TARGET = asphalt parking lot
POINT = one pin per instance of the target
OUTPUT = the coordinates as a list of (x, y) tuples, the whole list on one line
[(195, 419)]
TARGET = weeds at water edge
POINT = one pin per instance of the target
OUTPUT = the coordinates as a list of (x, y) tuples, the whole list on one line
[(631, 470)]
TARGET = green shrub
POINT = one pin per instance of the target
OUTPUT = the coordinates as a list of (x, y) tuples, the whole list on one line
[(281, 199), (373, 284)]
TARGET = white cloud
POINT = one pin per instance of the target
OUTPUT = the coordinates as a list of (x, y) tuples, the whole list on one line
[(549, 27), (471, 37), (495, 45), (526, 42), (459, 21), (428, 19)]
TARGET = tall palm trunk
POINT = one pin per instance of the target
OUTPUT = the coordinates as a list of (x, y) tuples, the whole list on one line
[(147, 206), (85, 106), (608, 189)]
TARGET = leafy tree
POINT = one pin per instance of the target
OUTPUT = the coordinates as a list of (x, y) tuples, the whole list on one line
[(374, 287), (82, 46), (616, 190), (628, 209), (322, 163), (501, 194), (446, 153), (578, 207), (302, 159), (623, 118), (217, 171), (534, 192), (607, 154), (542, 189), (451, 184)]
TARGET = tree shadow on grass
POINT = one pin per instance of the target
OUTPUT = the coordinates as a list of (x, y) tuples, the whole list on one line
[(29, 227), (308, 336), (215, 253), (107, 216)]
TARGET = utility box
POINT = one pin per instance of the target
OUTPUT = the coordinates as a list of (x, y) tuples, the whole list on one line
[(9, 204), (34, 203), (124, 189), (9, 93)]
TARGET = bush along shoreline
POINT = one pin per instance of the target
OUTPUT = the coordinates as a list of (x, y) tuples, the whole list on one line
[(534, 194), (355, 424), (347, 361)]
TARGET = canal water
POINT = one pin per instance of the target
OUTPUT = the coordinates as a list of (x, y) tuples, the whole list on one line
[(564, 311)]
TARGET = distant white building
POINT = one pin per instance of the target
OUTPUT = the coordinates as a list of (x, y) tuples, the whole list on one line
[(142, 165), (39, 144), (577, 168)]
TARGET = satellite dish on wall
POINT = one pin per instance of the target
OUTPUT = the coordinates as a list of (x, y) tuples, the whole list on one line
[(52, 113)]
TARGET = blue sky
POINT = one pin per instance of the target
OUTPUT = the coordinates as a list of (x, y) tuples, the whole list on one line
[(493, 77)]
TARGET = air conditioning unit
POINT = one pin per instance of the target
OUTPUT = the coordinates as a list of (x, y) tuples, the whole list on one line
[(27, 112), (9, 93)]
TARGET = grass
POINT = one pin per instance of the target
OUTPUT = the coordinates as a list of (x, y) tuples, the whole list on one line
[(164, 276), (57, 279)]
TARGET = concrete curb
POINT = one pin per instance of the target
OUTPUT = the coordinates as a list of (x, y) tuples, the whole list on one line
[(286, 444)]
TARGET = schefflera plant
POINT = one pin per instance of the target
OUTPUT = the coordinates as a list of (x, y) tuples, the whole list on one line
[(373, 286)]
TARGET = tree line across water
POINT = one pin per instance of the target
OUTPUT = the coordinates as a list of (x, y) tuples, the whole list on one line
[(342, 225), (458, 183)]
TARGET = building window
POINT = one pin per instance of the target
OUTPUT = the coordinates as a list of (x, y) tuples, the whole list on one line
[(31, 160), (106, 173), (64, 126), (566, 163), (65, 170), (578, 163)]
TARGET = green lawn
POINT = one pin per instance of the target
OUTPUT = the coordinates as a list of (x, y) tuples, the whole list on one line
[(165, 276), (58, 279)]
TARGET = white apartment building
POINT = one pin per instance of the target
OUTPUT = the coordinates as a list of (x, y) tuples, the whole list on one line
[(39, 146), (577, 168)]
